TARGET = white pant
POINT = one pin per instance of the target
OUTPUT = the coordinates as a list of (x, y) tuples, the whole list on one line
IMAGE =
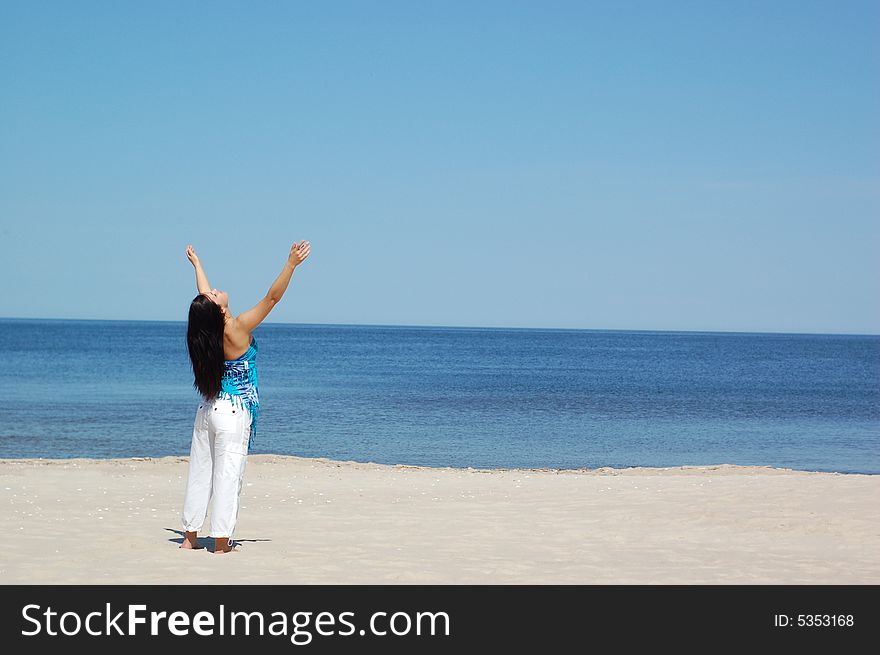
[(216, 466)]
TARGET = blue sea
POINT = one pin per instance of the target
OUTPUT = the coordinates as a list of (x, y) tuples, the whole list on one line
[(440, 396)]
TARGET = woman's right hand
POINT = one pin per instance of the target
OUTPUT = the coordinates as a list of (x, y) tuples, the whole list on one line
[(298, 253)]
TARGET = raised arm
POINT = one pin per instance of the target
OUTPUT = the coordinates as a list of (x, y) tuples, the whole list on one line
[(201, 278), (250, 319)]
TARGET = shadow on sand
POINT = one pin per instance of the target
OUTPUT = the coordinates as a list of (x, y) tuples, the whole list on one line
[(207, 542)]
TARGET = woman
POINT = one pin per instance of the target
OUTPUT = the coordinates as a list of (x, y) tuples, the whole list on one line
[(223, 356)]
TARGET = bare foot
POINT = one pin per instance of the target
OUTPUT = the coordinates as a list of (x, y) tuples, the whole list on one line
[(191, 542), (188, 545), (224, 545)]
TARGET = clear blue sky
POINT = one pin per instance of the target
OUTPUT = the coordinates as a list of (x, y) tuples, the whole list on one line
[(633, 165)]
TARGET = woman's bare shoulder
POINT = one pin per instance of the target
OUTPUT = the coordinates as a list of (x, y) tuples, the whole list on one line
[(236, 340)]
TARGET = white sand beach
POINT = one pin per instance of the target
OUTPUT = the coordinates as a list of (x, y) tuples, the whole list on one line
[(321, 521)]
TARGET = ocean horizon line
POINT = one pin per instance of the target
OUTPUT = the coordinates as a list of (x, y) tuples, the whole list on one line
[(459, 327)]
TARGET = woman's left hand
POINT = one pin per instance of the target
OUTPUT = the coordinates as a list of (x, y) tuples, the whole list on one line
[(192, 256)]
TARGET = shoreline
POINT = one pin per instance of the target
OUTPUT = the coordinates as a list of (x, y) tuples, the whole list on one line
[(718, 469), (322, 521)]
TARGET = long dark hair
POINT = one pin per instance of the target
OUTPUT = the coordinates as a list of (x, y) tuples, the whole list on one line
[(204, 341)]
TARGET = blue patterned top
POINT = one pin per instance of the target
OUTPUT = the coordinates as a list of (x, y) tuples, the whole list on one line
[(239, 384)]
